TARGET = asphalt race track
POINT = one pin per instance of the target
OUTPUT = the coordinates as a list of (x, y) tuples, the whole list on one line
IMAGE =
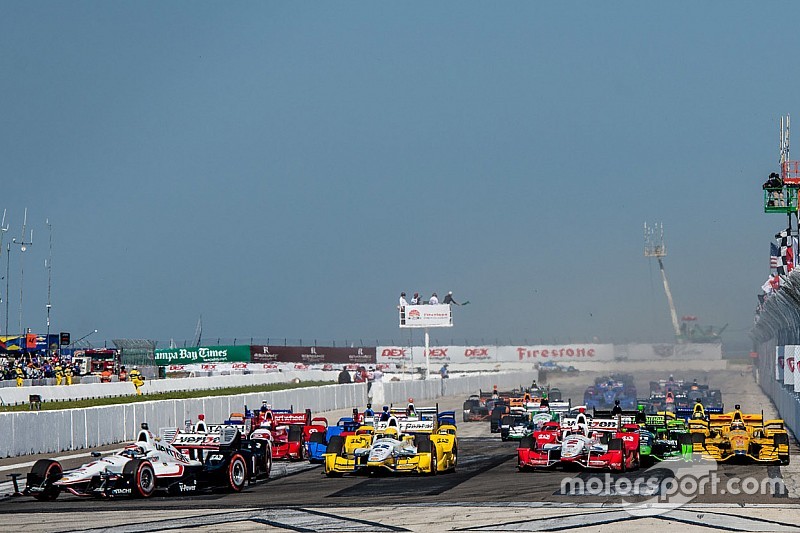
[(486, 493)]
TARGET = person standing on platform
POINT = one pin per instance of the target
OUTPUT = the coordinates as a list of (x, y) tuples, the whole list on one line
[(434, 300)]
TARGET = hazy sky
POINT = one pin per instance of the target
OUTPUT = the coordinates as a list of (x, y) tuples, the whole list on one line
[(285, 169)]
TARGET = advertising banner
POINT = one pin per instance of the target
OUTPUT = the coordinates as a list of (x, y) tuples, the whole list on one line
[(788, 366), (683, 352), (223, 367), (202, 354), (494, 354), (779, 354), (29, 342), (426, 316), (362, 355), (558, 353), (796, 373)]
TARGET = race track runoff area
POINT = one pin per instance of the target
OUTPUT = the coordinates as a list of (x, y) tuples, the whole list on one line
[(486, 493)]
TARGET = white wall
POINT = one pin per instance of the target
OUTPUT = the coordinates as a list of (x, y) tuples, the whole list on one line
[(35, 432)]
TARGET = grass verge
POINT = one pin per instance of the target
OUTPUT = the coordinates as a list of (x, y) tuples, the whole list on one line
[(176, 395)]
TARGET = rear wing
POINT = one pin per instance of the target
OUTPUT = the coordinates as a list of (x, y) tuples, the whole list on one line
[(289, 418), (626, 414), (687, 412), (447, 417)]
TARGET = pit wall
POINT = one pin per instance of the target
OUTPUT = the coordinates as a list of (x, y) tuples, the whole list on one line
[(51, 432)]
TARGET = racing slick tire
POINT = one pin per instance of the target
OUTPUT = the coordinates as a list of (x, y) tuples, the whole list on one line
[(527, 442), (335, 445), (424, 445), (618, 444), (295, 433), (777, 440), (317, 437), (699, 438), (236, 473), (142, 475), (46, 470)]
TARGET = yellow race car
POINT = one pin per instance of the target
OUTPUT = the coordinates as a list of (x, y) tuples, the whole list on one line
[(423, 442), (739, 437)]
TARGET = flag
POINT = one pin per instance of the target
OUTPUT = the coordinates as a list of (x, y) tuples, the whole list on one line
[(774, 260), (786, 259)]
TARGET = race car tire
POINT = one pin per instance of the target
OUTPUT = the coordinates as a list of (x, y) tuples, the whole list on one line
[(777, 440), (237, 473), (268, 462), (335, 445), (527, 442), (47, 470), (684, 439), (142, 475), (434, 462), (455, 459), (301, 451), (295, 433), (698, 438), (317, 437)]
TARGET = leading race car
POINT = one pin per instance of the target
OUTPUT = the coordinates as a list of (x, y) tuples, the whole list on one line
[(144, 466), (423, 443)]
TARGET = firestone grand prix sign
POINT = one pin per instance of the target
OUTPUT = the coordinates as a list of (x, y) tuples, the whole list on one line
[(495, 354)]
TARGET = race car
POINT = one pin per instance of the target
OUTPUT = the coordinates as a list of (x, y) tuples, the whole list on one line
[(289, 431), (516, 425), (670, 439), (542, 449), (318, 441), (595, 443), (475, 409), (739, 437), (424, 444), (146, 465), (616, 449)]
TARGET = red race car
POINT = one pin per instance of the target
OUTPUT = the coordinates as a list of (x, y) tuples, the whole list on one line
[(542, 449), (288, 431)]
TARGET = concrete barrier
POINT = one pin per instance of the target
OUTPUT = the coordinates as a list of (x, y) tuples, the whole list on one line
[(48, 393), (35, 432)]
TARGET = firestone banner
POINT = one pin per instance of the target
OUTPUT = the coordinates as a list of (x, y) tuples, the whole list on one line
[(557, 353), (426, 316), (310, 355), (202, 354)]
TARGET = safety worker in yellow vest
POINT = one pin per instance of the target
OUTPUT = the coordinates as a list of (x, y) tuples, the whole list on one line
[(136, 378), (68, 374), (20, 375), (59, 374)]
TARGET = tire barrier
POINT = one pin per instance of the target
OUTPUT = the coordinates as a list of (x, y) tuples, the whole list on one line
[(35, 432)]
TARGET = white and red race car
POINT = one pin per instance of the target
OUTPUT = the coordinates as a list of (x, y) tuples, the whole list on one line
[(150, 463)]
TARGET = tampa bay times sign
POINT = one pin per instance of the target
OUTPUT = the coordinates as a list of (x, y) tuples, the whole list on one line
[(265, 354), (202, 354)]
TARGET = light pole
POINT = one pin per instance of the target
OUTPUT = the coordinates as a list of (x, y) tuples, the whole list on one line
[(22, 247), (3, 230)]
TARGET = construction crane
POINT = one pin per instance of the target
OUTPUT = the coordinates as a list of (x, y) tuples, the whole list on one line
[(686, 330)]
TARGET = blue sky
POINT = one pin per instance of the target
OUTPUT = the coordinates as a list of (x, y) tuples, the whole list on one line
[(285, 169)]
